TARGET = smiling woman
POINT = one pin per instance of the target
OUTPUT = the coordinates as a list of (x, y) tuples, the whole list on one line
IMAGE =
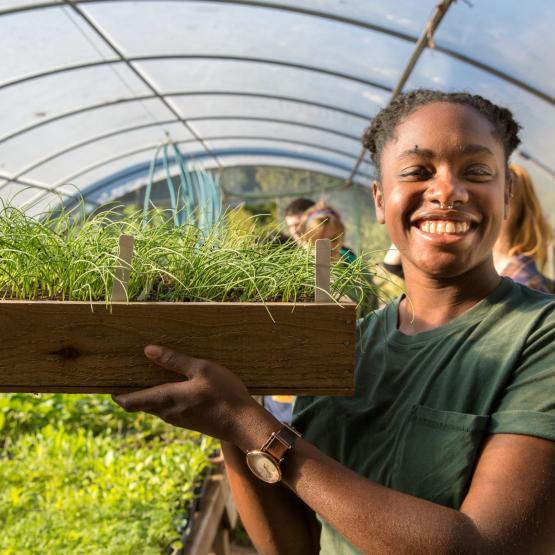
[(448, 445)]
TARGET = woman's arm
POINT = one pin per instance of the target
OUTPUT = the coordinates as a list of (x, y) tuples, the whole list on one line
[(509, 509), (276, 520)]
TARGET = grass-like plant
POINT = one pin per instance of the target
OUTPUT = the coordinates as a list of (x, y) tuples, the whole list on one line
[(63, 257)]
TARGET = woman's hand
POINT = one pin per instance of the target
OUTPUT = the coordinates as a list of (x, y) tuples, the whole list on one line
[(210, 400)]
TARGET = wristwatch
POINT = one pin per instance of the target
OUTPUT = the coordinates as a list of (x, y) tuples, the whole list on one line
[(265, 463)]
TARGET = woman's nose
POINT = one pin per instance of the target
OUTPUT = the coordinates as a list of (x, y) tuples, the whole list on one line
[(447, 188)]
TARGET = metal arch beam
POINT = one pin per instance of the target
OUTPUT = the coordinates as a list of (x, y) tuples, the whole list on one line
[(214, 138), (267, 96), (30, 8), (45, 190), (169, 122), (339, 19), (92, 25), (189, 141), (304, 102), (55, 187), (247, 118), (219, 57), (542, 165), (142, 168), (23, 130), (29, 183), (252, 3)]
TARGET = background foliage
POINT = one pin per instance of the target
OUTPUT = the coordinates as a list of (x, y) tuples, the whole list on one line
[(79, 475)]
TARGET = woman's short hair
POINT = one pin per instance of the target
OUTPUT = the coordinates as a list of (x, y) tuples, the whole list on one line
[(383, 125)]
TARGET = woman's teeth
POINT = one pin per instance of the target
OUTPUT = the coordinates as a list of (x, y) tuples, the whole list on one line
[(444, 227)]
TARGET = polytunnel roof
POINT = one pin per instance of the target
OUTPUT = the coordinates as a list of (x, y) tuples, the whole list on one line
[(88, 88)]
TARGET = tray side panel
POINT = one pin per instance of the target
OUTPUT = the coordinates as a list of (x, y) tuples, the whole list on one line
[(79, 347)]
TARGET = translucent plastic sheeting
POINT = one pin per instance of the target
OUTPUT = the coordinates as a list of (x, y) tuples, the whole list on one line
[(28, 149), (407, 16), (193, 28), (210, 76), (89, 87), (197, 106), (512, 36), (536, 116), (58, 41), (231, 127)]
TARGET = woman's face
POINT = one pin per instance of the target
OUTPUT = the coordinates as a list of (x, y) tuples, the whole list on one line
[(325, 230), (443, 192)]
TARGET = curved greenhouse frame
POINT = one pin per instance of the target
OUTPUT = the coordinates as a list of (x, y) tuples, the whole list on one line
[(91, 88)]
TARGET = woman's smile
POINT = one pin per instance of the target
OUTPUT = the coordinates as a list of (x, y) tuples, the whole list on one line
[(444, 227)]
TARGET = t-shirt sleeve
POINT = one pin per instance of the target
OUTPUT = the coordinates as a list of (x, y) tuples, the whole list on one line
[(527, 406)]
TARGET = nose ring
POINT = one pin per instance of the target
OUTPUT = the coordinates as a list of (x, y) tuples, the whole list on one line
[(449, 206)]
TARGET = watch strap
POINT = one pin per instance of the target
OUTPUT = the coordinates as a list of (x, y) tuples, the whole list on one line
[(280, 442)]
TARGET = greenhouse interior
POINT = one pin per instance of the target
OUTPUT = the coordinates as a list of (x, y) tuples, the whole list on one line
[(167, 120)]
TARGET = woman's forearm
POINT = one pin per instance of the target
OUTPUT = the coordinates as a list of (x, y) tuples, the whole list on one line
[(277, 521), (373, 518)]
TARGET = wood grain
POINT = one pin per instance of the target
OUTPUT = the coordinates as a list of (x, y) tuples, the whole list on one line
[(48, 346)]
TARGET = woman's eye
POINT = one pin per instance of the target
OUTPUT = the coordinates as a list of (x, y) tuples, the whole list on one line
[(416, 173), (478, 171)]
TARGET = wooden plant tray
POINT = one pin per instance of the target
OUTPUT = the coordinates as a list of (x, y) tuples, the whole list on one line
[(49, 346)]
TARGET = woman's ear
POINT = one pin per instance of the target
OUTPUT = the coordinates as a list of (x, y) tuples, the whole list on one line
[(377, 193)]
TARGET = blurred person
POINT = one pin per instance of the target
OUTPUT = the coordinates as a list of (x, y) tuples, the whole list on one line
[(318, 221), (293, 214), (521, 248), (321, 221), (281, 406)]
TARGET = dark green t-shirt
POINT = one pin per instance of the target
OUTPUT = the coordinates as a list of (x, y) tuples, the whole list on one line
[(424, 403)]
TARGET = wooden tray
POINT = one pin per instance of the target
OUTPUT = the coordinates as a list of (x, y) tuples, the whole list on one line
[(49, 346)]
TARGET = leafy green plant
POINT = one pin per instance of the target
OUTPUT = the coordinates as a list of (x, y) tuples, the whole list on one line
[(78, 475)]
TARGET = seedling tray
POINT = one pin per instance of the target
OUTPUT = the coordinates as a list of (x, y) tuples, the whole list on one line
[(79, 347)]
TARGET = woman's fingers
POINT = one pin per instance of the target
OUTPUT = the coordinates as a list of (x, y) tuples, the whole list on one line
[(154, 399), (173, 360)]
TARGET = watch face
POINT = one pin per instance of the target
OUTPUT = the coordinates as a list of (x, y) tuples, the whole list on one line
[(264, 466)]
